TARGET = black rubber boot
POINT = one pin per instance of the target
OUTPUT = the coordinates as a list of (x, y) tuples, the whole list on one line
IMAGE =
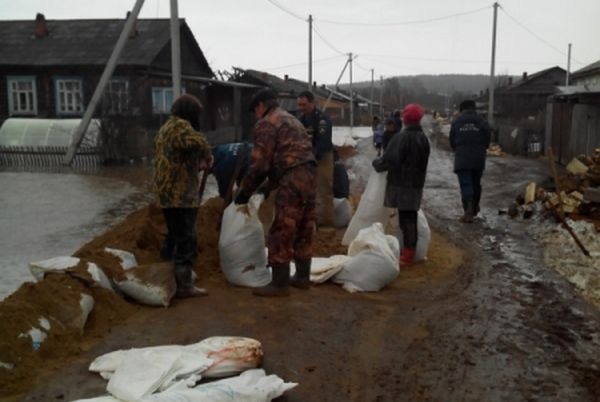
[(280, 284), (469, 215), (185, 285), (476, 208), (301, 278)]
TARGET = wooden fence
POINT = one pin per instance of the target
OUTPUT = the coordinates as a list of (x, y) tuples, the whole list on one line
[(48, 156)]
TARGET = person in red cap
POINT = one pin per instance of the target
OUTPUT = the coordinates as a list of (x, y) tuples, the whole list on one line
[(405, 159)]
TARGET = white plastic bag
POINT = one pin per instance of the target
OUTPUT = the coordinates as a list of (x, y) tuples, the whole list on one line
[(250, 386), (342, 211), (242, 245), (321, 269), (423, 236), (371, 208), (57, 264), (151, 284), (127, 259), (373, 263)]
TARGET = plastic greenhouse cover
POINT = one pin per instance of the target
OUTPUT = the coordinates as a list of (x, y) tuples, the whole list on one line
[(46, 132)]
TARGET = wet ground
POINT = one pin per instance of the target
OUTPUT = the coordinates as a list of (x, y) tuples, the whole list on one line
[(500, 327)]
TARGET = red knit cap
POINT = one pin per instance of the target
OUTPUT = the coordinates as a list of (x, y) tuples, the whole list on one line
[(412, 114)]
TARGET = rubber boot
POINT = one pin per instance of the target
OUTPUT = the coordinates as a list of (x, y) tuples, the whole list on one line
[(407, 257), (301, 278), (469, 211), (280, 284), (185, 285), (476, 208)]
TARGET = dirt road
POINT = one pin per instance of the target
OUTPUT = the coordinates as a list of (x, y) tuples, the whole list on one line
[(491, 324)]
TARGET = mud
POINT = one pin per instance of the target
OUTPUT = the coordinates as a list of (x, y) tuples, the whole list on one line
[(491, 323)]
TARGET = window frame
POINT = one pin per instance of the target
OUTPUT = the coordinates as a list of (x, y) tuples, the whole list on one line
[(57, 81), (122, 105), (10, 79)]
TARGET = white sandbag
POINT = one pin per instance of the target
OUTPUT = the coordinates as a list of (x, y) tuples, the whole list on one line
[(242, 245), (321, 269), (251, 386), (227, 355), (99, 276), (423, 236), (231, 355), (127, 259), (370, 208), (141, 373), (373, 263), (57, 264), (151, 284), (99, 399), (342, 212)]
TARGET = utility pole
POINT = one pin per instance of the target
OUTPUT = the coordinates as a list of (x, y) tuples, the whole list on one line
[(310, 79), (381, 95), (336, 85), (492, 83), (106, 74), (568, 67), (175, 50), (351, 96), (372, 92)]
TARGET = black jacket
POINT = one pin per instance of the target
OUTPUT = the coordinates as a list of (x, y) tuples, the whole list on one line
[(405, 159), (319, 128), (469, 138)]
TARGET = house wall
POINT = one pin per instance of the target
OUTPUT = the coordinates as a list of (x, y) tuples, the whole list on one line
[(592, 79)]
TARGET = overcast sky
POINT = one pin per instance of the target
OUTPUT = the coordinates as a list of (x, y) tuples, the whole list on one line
[(532, 34)]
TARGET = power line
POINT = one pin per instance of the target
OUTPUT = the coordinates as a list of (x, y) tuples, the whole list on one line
[(537, 36), (472, 61), (413, 22), (320, 35), (286, 10), (306, 62)]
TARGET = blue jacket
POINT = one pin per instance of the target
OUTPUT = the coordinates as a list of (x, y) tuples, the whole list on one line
[(469, 139), (319, 128), (225, 160)]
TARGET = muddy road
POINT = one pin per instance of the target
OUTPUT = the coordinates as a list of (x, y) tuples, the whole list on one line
[(482, 320)]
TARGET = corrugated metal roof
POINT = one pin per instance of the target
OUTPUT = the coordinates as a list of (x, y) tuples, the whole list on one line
[(81, 42)]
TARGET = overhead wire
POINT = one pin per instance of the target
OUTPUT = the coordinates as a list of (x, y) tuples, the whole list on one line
[(413, 22), (325, 59), (286, 10), (536, 35), (320, 35)]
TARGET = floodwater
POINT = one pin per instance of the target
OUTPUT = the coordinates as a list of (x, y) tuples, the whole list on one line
[(50, 214)]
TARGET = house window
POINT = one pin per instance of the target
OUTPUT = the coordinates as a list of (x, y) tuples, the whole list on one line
[(117, 96), (69, 96), (162, 99), (22, 96)]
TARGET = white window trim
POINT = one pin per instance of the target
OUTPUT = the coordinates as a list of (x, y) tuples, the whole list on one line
[(81, 109), (166, 107), (11, 107), (112, 109)]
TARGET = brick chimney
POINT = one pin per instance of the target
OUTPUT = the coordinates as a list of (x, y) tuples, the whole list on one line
[(314, 84), (134, 32), (510, 80), (41, 29), (524, 75), (285, 77)]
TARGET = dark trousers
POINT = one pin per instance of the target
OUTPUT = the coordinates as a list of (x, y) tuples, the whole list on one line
[(470, 185), (180, 245), (408, 225)]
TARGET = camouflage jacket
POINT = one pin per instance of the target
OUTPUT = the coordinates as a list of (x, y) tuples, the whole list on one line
[(280, 143), (178, 150)]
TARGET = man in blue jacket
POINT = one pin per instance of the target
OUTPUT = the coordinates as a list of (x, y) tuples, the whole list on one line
[(469, 139), (319, 129)]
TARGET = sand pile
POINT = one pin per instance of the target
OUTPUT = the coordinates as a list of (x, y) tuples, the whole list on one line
[(57, 298)]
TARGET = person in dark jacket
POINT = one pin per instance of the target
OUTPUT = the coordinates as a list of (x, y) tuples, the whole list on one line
[(469, 139), (388, 132), (397, 117), (405, 159), (282, 158), (377, 134), (229, 159), (319, 129), (180, 151)]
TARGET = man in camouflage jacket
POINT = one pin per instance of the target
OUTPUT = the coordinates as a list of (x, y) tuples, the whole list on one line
[(282, 155)]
